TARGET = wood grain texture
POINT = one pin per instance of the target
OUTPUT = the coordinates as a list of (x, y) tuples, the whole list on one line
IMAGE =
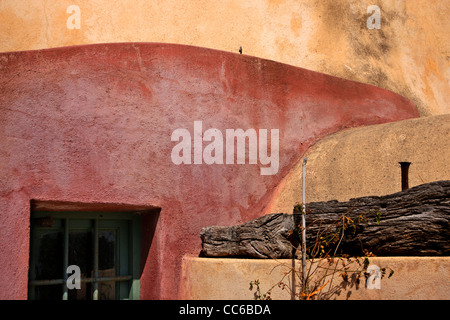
[(413, 222), (270, 236)]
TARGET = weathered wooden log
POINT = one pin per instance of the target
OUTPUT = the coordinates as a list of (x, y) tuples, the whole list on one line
[(412, 222), (270, 236)]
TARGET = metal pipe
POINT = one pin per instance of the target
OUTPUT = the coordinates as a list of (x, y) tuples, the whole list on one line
[(66, 259), (405, 174), (82, 280), (95, 292), (304, 224)]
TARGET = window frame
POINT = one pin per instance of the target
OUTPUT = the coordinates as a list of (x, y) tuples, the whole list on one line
[(134, 249)]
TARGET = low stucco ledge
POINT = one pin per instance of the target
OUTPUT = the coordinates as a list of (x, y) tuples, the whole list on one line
[(418, 278)]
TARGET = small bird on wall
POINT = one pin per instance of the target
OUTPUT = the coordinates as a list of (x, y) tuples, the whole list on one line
[(240, 50)]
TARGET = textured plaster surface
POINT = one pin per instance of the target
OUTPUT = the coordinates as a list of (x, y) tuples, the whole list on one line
[(409, 54), (365, 161), (92, 124), (414, 278)]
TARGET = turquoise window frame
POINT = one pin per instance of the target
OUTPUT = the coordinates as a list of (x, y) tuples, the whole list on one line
[(128, 225)]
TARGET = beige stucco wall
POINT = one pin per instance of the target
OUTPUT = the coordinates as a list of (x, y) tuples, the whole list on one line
[(222, 279), (409, 55), (364, 161)]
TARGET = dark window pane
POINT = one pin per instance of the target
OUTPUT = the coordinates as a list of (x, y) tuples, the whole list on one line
[(50, 292), (107, 290), (49, 255), (107, 250), (80, 251), (81, 254), (106, 263), (84, 293)]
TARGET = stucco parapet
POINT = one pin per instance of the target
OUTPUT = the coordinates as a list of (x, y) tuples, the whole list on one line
[(420, 278)]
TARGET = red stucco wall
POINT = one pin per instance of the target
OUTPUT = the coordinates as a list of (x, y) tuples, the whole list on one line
[(93, 124)]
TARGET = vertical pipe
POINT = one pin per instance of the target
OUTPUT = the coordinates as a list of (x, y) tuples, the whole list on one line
[(405, 174), (95, 284), (304, 224), (32, 289), (293, 274), (66, 258)]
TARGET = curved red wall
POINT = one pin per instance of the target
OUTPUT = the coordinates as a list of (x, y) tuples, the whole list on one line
[(94, 123)]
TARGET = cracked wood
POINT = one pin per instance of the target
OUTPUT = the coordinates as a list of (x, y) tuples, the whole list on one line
[(413, 222)]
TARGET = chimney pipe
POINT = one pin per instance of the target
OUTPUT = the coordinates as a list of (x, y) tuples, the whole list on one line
[(405, 171)]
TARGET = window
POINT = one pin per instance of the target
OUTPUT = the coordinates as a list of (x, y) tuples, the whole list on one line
[(105, 246)]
